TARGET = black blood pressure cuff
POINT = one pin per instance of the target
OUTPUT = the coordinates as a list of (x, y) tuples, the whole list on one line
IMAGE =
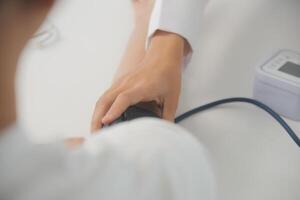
[(134, 112)]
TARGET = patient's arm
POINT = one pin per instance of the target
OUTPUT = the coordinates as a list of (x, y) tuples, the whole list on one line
[(135, 50)]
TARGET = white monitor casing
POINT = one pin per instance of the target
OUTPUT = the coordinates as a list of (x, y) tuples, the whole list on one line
[(277, 89)]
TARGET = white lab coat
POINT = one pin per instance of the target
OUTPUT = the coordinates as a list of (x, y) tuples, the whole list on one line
[(182, 17), (145, 159)]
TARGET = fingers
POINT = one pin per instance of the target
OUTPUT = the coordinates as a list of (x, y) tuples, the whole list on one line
[(101, 108), (113, 103), (99, 112), (121, 103), (169, 109), (73, 143)]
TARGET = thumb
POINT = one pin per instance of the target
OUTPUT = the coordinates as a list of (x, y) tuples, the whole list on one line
[(169, 110)]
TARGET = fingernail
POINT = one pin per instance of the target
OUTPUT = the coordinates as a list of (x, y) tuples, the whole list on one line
[(105, 120)]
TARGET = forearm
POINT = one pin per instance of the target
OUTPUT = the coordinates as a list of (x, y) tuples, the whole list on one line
[(182, 17), (134, 53), (167, 47), (135, 50)]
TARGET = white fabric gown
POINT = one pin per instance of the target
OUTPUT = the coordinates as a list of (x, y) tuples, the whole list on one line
[(142, 160)]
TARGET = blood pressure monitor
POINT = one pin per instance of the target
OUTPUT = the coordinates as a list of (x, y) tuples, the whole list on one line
[(277, 84)]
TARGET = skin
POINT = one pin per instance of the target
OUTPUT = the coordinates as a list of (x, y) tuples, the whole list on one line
[(152, 75), (18, 22)]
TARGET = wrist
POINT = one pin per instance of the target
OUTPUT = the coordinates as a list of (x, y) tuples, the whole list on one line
[(142, 10), (168, 47), (141, 21)]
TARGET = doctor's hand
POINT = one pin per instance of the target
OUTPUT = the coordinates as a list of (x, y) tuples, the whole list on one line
[(157, 78)]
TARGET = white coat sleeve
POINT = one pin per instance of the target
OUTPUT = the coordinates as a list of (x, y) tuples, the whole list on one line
[(182, 17)]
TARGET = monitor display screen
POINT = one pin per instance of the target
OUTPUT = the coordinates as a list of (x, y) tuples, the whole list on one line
[(291, 69)]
